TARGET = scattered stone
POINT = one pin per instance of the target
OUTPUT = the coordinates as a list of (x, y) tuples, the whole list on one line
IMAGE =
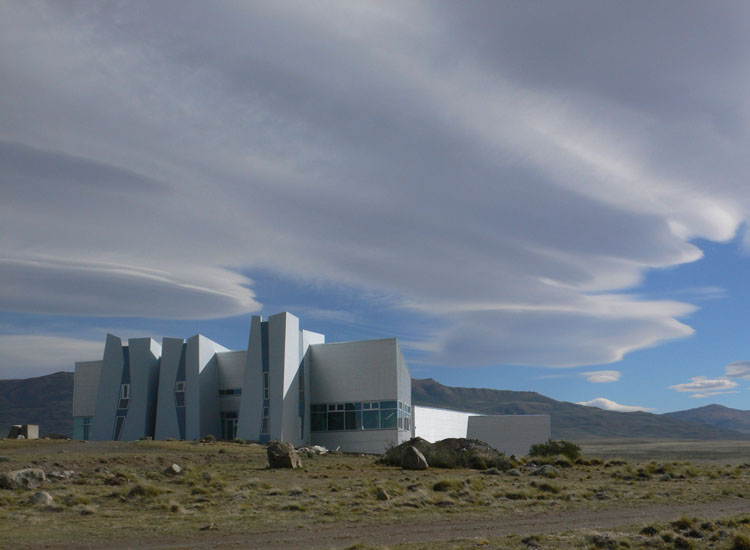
[(515, 472), (42, 498), (87, 510), (295, 491), (117, 479), (383, 495), (493, 472), (61, 475), (282, 455), (21, 437), (173, 470), (413, 459), (210, 527), (665, 477), (29, 478)]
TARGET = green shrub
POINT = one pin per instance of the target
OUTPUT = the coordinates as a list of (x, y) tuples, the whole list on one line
[(552, 447), (447, 485), (740, 542)]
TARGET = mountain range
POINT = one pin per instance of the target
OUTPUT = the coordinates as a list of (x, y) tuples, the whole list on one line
[(47, 401)]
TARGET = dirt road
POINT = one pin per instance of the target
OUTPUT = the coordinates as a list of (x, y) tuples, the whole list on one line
[(441, 528)]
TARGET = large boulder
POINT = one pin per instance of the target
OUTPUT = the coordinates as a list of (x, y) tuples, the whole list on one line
[(29, 478), (282, 455), (413, 459)]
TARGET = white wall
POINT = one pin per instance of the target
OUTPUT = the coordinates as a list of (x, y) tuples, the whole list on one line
[(108, 393), (511, 434), (203, 350), (231, 373), (251, 403), (435, 424), (166, 411), (144, 356), (85, 387)]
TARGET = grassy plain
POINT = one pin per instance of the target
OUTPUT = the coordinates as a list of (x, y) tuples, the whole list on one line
[(120, 497)]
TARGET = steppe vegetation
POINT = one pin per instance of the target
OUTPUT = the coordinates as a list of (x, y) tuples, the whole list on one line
[(119, 494)]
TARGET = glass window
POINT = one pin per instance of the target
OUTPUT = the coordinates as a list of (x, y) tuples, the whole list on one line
[(388, 418), (317, 408), (125, 391), (179, 386), (387, 404), (335, 421), (265, 385), (353, 420), (123, 404), (370, 420), (264, 424), (179, 398), (118, 427), (318, 422), (366, 405)]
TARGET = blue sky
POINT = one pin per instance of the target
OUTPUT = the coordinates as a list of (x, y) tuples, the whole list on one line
[(530, 197)]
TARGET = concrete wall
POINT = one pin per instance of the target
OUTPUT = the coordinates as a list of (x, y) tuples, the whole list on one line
[(85, 387), (435, 424), (167, 424), (307, 339), (371, 370), (231, 366), (204, 419), (144, 380), (108, 393), (251, 403), (283, 340), (511, 434)]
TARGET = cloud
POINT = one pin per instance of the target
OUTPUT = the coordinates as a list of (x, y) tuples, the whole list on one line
[(602, 376), (738, 369), (706, 387), (609, 405), (26, 355), (445, 157)]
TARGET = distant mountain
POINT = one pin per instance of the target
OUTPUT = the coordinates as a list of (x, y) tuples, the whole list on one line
[(44, 400), (48, 401), (716, 415), (569, 421)]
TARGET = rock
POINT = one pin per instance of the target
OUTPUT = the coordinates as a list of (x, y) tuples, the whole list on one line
[(173, 470), (29, 478), (383, 495), (282, 455), (210, 527), (547, 471), (413, 459), (515, 472), (492, 472), (21, 437), (295, 491), (42, 498), (88, 510)]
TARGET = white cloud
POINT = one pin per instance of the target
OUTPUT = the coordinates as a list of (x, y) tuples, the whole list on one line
[(609, 405), (27, 355), (416, 153), (705, 387), (602, 376), (738, 369)]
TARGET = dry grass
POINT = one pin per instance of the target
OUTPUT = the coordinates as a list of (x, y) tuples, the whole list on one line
[(120, 489)]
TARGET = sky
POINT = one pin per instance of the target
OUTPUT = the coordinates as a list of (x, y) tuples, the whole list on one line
[(531, 196)]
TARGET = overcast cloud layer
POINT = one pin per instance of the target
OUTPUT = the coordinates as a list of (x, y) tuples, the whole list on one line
[(483, 163)]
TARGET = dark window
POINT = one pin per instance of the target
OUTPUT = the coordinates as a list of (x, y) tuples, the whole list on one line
[(318, 422), (370, 419), (388, 418), (118, 427), (353, 420), (123, 404), (335, 421), (179, 398)]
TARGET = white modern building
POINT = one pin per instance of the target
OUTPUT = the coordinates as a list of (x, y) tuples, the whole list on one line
[(288, 385)]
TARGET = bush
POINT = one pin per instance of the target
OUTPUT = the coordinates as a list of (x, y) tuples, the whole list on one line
[(740, 542), (552, 448)]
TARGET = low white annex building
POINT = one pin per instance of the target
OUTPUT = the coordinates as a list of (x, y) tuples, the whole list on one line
[(288, 385)]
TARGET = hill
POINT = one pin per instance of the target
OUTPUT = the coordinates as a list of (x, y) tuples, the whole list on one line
[(44, 400), (716, 415), (47, 401), (569, 421)]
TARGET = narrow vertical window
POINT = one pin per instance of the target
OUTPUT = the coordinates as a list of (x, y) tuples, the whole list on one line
[(124, 396), (179, 393), (264, 424), (265, 385)]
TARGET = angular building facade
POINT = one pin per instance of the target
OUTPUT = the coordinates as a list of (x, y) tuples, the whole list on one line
[(288, 385)]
